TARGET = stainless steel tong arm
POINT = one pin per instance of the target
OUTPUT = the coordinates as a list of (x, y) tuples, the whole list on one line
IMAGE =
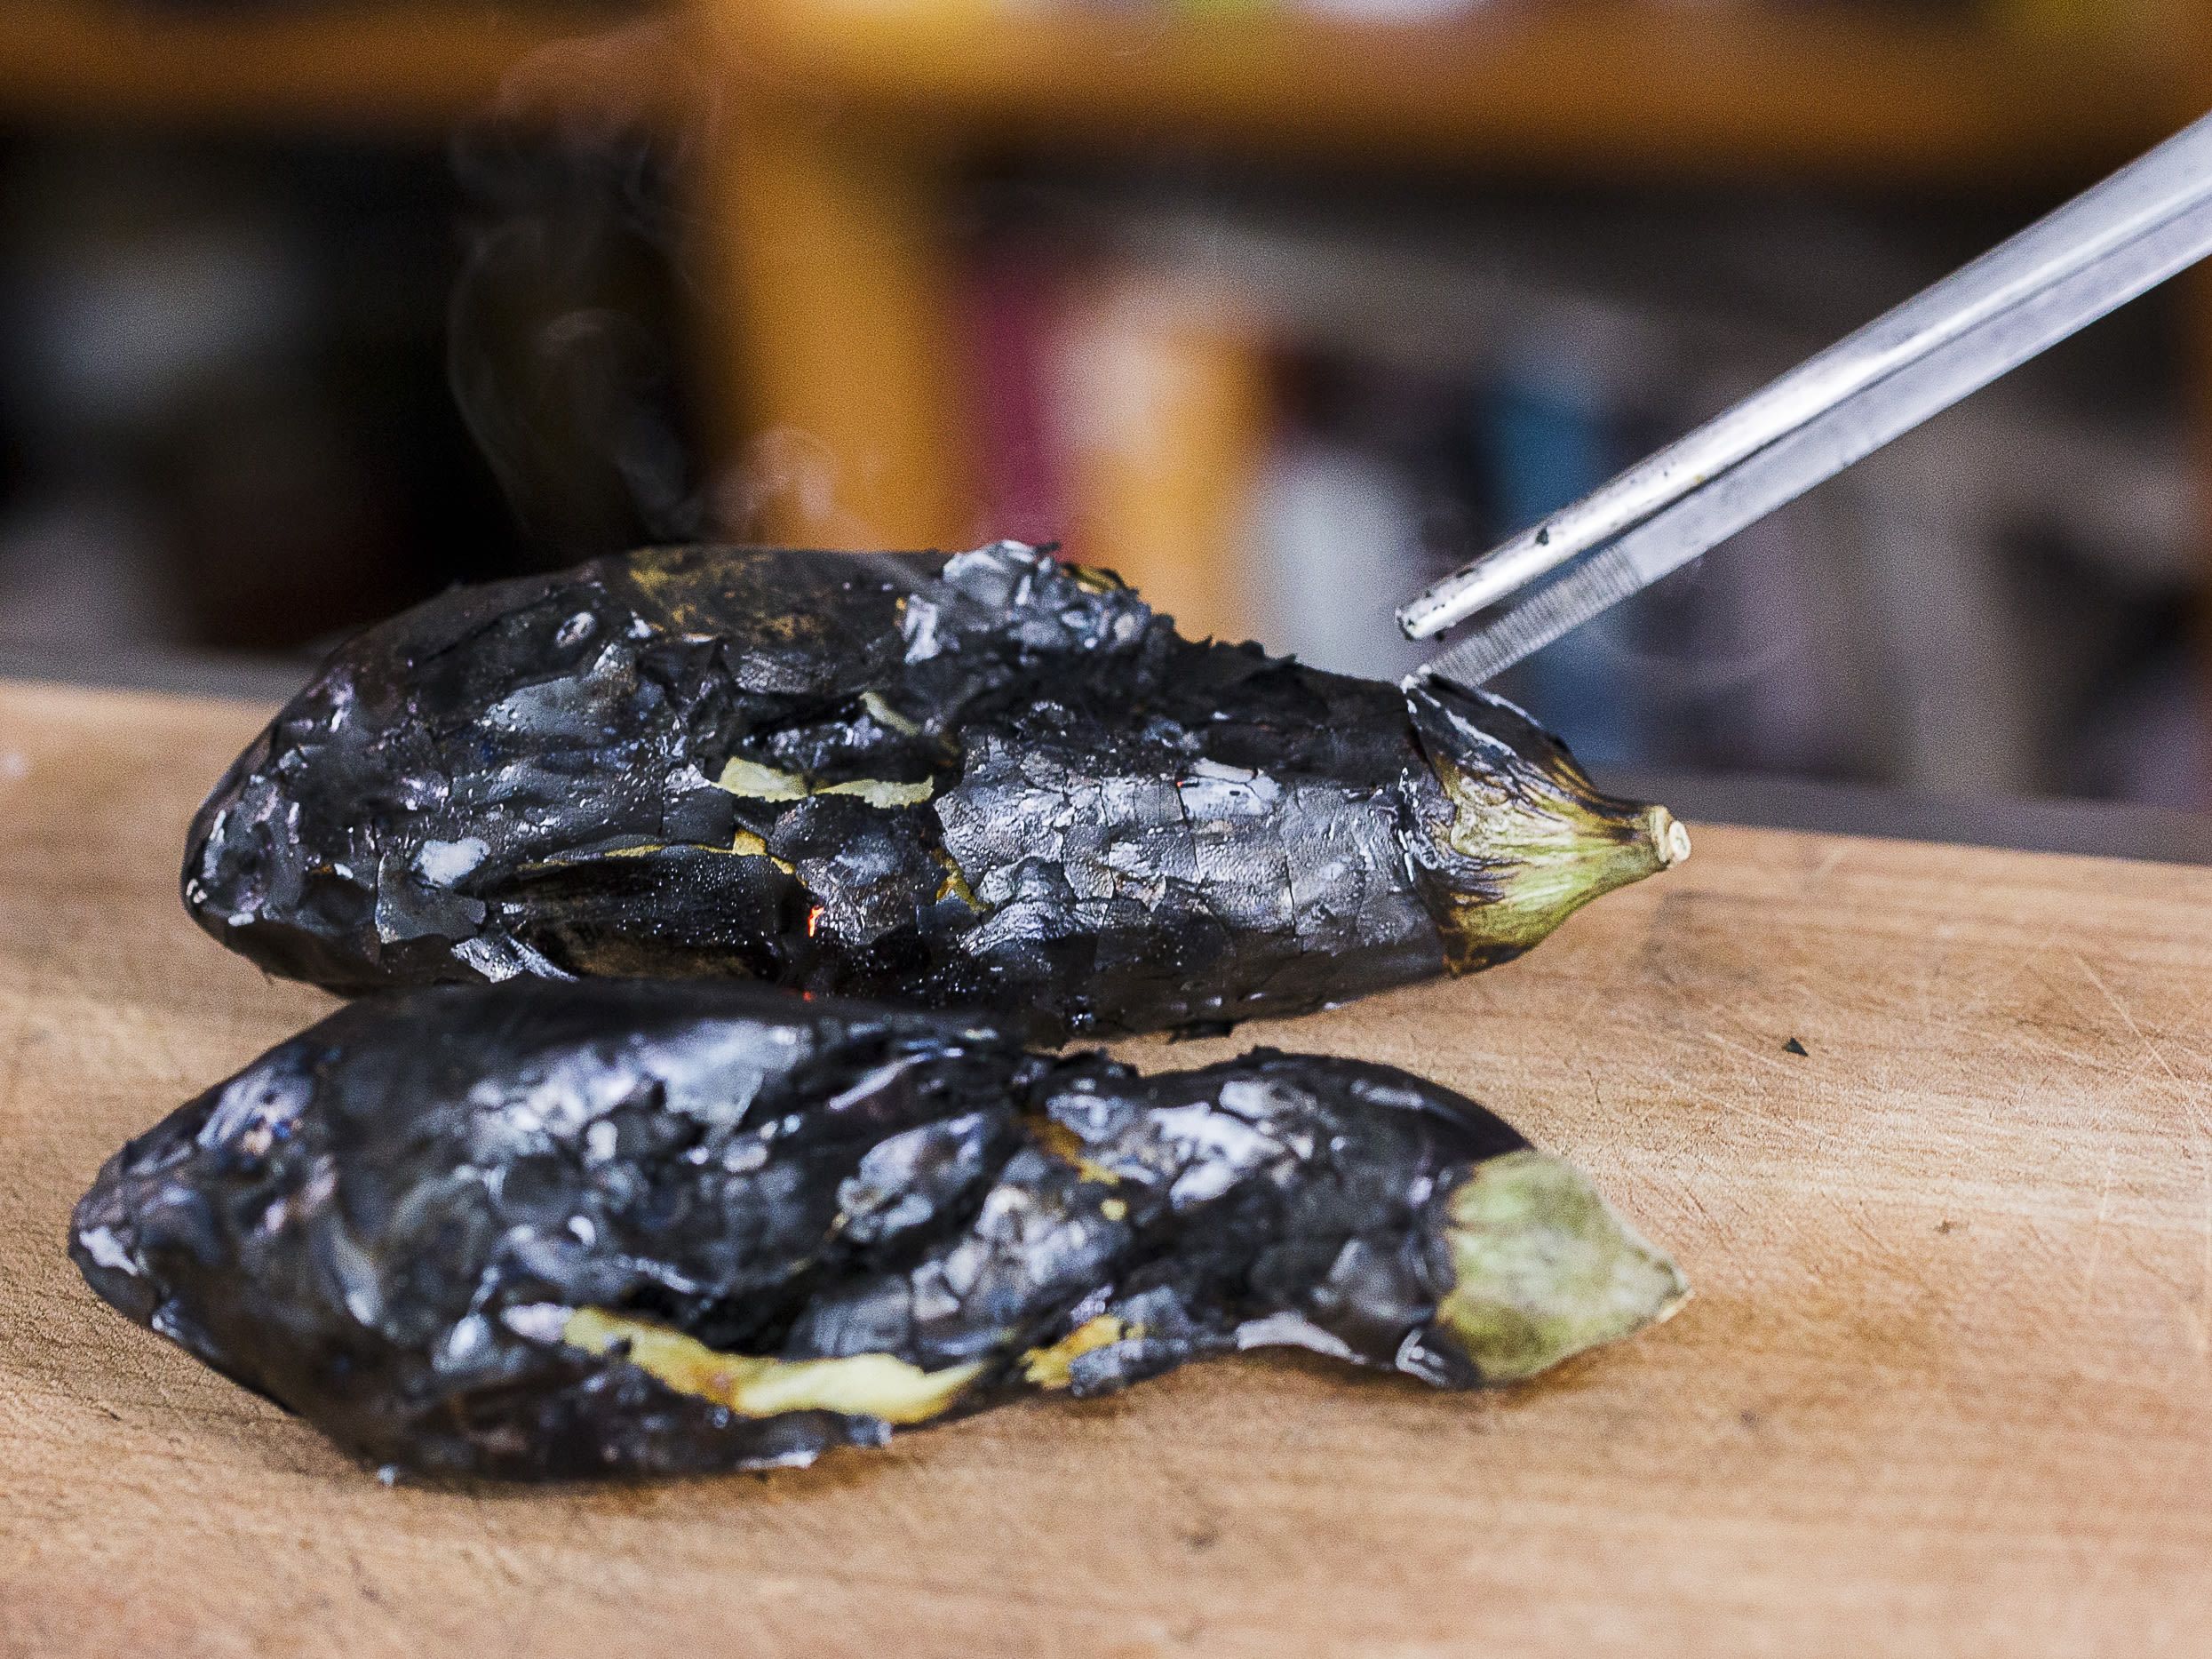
[(2069, 246)]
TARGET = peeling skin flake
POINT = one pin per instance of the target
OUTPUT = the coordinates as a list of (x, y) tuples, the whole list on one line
[(1290, 1331), (990, 780), (103, 1248), (485, 1239), (446, 862)]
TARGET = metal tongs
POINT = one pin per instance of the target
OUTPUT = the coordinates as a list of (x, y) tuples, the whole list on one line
[(2115, 241)]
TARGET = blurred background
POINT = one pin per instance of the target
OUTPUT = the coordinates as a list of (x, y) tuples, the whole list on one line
[(1281, 307)]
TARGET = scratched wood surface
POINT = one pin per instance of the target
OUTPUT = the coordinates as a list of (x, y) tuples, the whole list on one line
[(1945, 1387)]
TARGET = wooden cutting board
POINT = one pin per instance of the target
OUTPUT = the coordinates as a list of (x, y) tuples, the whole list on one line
[(1946, 1388)]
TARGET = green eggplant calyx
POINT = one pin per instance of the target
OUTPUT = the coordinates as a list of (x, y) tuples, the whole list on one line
[(1524, 853), (1544, 1268)]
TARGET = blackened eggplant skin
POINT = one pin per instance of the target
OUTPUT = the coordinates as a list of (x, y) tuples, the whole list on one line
[(634, 1227), (992, 780)]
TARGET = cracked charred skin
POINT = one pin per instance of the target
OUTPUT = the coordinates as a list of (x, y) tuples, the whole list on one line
[(988, 780), (623, 1228)]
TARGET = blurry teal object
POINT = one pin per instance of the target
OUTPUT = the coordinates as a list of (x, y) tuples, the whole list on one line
[(1550, 442)]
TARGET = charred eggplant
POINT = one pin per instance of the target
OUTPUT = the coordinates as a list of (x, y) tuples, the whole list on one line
[(992, 780), (626, 1227)]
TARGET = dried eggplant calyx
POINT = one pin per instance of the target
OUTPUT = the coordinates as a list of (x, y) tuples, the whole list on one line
[(622, 1227), (991, 780)]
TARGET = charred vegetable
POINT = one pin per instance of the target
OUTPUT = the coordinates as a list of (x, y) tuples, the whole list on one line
[(623, 1227), (990, 780)]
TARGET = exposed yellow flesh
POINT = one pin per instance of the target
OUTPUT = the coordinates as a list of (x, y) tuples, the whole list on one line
[(757, 782), (885, 715), (1047, 1368), (955, 884), (695, 595), (761, 782), (859, 1385), (877, 793), (1092, 579), (746, 844), (1065, 1145)]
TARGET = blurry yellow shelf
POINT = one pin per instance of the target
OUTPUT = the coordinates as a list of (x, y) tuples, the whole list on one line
[(853, 123), (1608, 86), (412, 66)]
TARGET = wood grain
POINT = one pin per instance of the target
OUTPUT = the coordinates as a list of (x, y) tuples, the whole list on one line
[(1944, 1388)]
